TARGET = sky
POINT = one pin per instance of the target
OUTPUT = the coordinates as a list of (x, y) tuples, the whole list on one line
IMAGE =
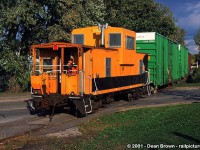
[(187, 14)]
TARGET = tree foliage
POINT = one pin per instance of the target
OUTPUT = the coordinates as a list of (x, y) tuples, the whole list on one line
[(144, 16), (197, 38), (14, 72), (23, 23)]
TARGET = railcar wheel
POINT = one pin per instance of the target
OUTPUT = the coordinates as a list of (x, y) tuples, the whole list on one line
[(78, 113), (130, 97), (154, 89), (136, 94)]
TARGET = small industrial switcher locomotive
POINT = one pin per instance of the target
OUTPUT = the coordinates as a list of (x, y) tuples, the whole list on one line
[(100, 64)]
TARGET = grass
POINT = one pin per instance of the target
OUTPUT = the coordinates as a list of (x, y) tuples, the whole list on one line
[(178, 124), (163, 125)]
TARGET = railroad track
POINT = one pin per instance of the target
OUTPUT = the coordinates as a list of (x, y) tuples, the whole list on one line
[(41, 125), (36, 124)]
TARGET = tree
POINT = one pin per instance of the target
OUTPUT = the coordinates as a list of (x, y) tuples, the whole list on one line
[(178, 35), (197, 38), (14, 71), (23, 23), (143, 16), (57, 18), (26, 22), (18, 23), (196, 74)]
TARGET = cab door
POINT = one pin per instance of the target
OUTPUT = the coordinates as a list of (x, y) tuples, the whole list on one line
[(69, 75)]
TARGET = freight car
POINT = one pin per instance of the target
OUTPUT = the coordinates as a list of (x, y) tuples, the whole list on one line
[(168, 60), (100, 63)]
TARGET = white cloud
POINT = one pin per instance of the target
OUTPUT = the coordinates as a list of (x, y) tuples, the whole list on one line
[(192, 20), (195, 7), (193, 48)]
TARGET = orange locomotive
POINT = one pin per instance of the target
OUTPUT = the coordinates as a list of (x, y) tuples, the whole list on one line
[(100, 63)]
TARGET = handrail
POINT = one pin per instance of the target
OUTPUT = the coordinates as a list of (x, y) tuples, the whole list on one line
[(54, 65), (46, 65), (67, 71)]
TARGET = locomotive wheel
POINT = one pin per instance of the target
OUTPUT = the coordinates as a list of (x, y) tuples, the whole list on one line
[(136, 95), (154, 90), (78, 114), (130, 97)]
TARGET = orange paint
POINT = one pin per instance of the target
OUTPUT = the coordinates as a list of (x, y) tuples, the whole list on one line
[(89, 62)]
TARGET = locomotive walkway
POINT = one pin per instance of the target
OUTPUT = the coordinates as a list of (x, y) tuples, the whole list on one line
[(16, 120)]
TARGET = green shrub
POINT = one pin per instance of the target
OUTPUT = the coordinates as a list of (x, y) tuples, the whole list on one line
[(14, 72), (196, 75)]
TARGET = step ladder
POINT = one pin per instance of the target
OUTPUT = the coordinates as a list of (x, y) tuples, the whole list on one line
[(88, 105)]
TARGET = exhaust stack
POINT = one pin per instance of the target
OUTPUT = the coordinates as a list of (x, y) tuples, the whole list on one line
[(102, 28)]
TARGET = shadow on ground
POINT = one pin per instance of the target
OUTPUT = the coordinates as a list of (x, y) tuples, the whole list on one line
[(184, 94), (187, 137)]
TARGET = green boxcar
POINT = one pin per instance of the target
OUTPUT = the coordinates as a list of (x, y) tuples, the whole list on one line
[(175, 60), (186, 71), (168, 60), (184, 61)]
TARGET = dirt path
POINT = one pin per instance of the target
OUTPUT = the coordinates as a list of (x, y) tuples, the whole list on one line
[(14, 96)]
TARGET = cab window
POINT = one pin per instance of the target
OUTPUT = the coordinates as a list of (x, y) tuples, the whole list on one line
[(47, 65), (115, 40), (78, 39), (130, 42), (141, 69), (108, 67)]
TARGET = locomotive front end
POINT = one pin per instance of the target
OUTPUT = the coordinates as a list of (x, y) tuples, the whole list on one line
[(55, 76)]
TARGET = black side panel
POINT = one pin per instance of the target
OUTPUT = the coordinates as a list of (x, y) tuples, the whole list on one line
[(116, 82)]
